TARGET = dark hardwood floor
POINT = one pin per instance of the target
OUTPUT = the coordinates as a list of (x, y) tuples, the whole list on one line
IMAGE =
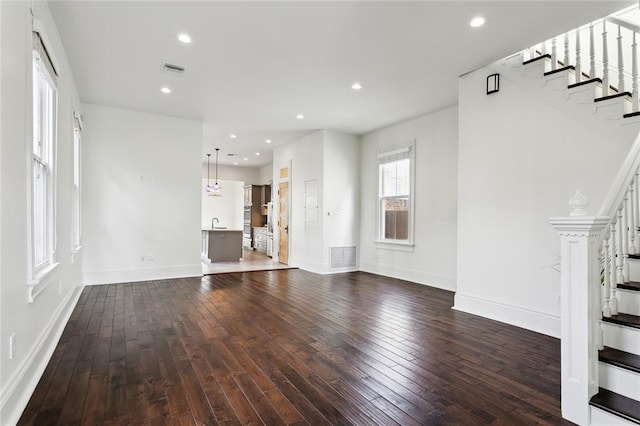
[(292, 347)]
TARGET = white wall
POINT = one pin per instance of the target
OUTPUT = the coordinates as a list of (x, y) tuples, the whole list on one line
[(305, 246), (266, 175), (37, 325), (228, 208), (341, 213), (433, 259), (248, 175), (330, 159), (520, 160), (142, 177)]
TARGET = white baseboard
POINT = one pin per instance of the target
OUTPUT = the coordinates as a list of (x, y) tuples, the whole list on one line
[(141, 274), (413, 275), (525, 318), (17, 392)]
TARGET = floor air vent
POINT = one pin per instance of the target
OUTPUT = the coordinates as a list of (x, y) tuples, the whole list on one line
[(343, 257)]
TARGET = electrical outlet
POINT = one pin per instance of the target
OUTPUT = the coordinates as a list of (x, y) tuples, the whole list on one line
[(557, 298), (12, 345), (148, 257)]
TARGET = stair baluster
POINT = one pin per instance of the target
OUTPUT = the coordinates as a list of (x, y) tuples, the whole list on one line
[(620, 62), (592, 53), (625, 234), (636, 211), (578, 57), (606, 278), (605, 61), (632, 219), (613, 254), (565, 60), (634, 74), (554, 54)]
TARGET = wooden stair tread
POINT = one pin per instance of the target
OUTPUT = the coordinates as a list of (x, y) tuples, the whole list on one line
[(628, 115), (547, 56), (582, 83), (568, 67), (624, 319), (615, 95), (619, 358), (611, 402), (630, 285), (633, 256)]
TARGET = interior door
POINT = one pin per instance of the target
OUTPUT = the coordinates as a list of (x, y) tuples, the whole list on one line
[(283, 222)]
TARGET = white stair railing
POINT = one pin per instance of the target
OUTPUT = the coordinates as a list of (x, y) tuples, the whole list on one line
[(608, 60)]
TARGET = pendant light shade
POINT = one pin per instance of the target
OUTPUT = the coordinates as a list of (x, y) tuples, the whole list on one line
[(208, 188)]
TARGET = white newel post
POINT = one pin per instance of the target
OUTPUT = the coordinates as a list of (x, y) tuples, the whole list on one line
[(580, 297)]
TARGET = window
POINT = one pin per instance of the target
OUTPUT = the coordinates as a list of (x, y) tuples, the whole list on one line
[(42, 156), (395, 199), (76, 238)]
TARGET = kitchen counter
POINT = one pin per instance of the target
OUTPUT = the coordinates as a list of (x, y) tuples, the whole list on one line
[(221, 245)]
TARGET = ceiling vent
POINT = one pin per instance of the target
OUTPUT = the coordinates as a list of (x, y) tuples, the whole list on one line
[(231, 155), (175, 69)]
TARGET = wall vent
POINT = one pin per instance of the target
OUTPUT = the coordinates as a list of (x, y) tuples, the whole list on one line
[(176, 69), (342, 257)]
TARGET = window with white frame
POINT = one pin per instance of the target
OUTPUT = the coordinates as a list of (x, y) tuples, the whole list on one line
[(42, 159), (395, 195), (76, 238)]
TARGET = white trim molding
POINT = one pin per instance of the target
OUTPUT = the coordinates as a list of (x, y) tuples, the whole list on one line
[(408, 274), (539, 322), (141, 274)]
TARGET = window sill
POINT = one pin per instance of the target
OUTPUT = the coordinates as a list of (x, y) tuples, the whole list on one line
[(395, 245), (39, 279)]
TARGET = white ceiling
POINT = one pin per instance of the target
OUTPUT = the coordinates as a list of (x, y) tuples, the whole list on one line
[(252, 66)]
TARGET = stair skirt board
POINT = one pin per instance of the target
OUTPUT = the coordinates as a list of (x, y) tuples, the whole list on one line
[(623, 338), (619, 380), (602, 418)]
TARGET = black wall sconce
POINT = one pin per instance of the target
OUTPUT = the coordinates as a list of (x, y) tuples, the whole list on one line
[(493, 83)]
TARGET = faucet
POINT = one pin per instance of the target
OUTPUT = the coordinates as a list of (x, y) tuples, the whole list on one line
[(215, 219)]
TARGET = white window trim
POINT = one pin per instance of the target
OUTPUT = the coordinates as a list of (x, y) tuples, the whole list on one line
[(40, 276), (389, 244), (76, 226)]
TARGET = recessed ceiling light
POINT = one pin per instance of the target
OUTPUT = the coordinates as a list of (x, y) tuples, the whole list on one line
[(268, 141), (299, 116), (235, 163), (245, 158), (257, 153), (185, 38), (165, 90), (478, 21), (232, 136), (356, 86)]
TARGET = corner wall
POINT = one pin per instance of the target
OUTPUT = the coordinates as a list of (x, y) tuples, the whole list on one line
[(37, 325), (142, 201), (433, 258), (520, 161)]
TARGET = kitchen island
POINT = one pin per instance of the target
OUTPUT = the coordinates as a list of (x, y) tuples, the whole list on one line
[(221, 245)]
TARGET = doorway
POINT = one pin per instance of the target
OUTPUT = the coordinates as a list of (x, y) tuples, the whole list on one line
[(283, 216)]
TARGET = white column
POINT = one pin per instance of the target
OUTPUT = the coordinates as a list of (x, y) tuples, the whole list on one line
[(634, 75), (554, 54), (580, 312), (565, 59)]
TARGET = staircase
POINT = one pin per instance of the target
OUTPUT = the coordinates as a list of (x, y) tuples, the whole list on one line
[(587, 70)]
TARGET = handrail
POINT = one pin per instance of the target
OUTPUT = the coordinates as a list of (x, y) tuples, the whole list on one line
[(621, 183), (625, 24)]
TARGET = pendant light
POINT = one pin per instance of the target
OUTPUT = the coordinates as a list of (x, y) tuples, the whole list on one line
[(216, 186), (208, 188)]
